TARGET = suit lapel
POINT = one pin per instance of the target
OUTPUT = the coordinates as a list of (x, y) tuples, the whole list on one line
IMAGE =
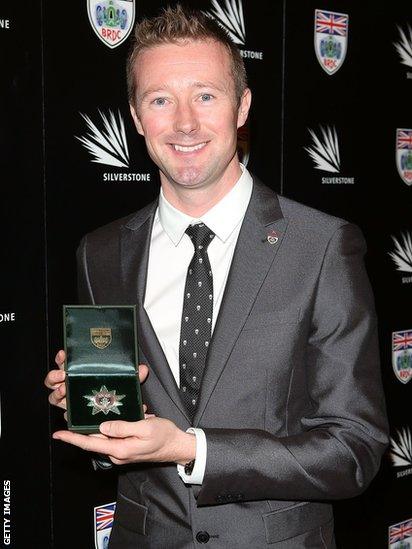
[(254, 254), (134, 258)]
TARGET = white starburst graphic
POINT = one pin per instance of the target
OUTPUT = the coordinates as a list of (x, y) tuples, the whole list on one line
[(108, 145), (325, 150), (404, 46), (401, 449), (231, 19), (402, 256)]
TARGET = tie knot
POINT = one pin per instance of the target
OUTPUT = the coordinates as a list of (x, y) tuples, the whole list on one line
[(201, 236)]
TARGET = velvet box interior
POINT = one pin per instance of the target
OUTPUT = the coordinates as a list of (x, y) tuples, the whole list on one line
[(101, 360)]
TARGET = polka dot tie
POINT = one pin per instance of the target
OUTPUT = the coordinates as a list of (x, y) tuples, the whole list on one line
[(197, 314)]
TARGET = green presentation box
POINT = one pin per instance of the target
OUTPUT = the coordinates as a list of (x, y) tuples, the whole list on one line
[(101, 360)]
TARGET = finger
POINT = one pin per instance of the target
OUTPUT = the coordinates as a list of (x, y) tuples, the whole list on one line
[(58, 403), (117, 461), (57, 397), (120, 429), (54, 378), (87, 442), (143, 372), (60, 358), (144, 408), (58, 394)]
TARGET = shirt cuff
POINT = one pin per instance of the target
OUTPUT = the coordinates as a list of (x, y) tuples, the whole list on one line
[(200, 461)]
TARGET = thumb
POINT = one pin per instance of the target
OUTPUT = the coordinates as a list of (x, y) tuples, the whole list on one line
[(118, 429)]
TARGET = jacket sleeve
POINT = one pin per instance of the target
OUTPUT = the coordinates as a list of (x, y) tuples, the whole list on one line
[(338, 451)]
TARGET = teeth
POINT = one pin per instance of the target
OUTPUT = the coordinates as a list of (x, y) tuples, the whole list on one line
[(189, 149)]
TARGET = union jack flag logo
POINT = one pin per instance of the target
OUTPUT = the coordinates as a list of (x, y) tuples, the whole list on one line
[(331, 37), (400, 532), (329, 22), (404, 154), (104, 516), (103, 523), (402, 340), (404, 139)]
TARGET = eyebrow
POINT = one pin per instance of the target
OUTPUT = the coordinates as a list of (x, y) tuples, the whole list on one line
[(206, 84)]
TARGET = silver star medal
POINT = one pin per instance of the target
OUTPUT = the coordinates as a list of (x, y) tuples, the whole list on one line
[(104, 401)]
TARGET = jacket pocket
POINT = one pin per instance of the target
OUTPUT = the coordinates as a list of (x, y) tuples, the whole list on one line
[(131, 515), (293, 521)]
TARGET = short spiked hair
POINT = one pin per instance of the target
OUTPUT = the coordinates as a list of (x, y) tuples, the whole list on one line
[(176, 24)]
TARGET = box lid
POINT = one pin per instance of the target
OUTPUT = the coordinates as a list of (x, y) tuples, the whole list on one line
[(100, 339)]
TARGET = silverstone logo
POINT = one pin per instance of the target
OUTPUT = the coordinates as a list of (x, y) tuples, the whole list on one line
[(325, 155), (111, 20), (325, 151), (400, 452), (402, 256), (404, 48), (5, 24), (107, 144), (231, 18)]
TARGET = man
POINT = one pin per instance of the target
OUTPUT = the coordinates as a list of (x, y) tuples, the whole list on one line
[(283, 404)]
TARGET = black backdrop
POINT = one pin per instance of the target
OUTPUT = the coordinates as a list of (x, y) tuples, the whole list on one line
[(54, 68)]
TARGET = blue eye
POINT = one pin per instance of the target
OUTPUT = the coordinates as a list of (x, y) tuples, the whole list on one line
[(160, 101), (206, 97)]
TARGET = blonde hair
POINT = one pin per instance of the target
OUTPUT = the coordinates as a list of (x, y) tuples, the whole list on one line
[(176, 24)]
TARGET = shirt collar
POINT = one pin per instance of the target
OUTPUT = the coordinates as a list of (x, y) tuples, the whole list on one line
[(222, 218)]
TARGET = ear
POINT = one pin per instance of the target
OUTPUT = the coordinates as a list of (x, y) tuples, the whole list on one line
[(136, 119), (244, 107)]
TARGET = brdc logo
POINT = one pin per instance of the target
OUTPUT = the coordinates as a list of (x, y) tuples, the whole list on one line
[(111, 20), (402, 355), (103, 524), (331, 39), (404, 154)]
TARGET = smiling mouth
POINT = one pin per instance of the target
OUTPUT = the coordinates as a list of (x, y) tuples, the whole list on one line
[(185, 148)]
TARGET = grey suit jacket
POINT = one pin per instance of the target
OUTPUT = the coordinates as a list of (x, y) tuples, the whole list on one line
[(291, 400)]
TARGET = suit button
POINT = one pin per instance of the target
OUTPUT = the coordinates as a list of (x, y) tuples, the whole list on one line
[(202, 537)]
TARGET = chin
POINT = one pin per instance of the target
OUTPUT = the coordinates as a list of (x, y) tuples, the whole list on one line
[(189, 177)]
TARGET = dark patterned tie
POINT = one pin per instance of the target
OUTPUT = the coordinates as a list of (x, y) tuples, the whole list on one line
[(197, 314)]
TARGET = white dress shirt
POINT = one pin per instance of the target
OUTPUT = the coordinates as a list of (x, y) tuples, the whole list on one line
[(171, 251)]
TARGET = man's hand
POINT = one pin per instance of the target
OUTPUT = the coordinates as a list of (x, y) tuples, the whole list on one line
[(55, 381), (152, 439)]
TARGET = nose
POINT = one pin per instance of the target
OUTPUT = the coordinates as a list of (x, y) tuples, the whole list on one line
[(186, 119)]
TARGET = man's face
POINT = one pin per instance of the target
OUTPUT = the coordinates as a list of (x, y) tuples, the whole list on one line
[(186, 109)]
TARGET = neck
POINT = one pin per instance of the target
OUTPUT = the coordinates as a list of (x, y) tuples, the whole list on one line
[(196, 201)]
